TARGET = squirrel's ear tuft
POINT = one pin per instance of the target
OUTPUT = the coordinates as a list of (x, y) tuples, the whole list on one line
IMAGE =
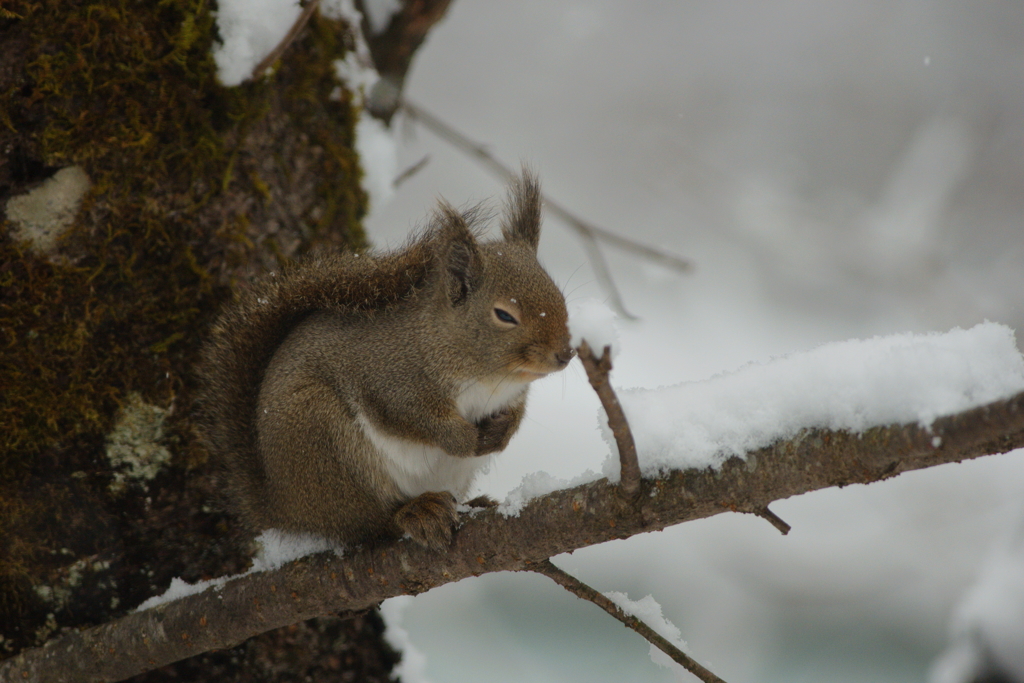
[(521, 222), (461, 266)]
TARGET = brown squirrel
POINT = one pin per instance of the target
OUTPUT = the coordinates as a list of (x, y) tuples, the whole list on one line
[(355, 396)]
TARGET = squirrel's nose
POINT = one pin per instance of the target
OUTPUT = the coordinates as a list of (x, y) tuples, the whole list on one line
[(565, 355)]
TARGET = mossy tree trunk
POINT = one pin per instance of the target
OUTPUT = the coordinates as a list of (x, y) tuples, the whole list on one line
[(110, 272)]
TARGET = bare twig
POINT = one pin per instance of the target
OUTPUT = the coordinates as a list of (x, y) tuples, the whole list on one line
[(629, 481), (604, 274), (410, 172), (484, 155), (582, 590), (773, 519), (660, 257), (597, 372), (289, 38), (587, 231), (558, 522)]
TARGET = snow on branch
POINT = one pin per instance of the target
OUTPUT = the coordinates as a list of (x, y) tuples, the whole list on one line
[(558, 522), (849, 413)]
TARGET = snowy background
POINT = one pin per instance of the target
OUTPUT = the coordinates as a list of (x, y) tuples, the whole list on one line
[(836, 170)]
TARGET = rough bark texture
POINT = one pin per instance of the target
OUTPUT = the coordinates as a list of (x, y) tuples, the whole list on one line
[(191, 188), (559, 522), (324, 650)]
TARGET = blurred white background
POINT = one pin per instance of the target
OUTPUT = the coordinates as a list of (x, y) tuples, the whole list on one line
[(835, 170)]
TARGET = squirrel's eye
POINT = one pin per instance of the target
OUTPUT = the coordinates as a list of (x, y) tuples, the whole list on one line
[(505, 317)]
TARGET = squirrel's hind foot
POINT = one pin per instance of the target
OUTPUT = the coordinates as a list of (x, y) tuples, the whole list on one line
[(429, 519), (483, 501)]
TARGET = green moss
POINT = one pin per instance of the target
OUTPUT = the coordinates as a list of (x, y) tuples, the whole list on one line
[(127, 90), (315, 103)]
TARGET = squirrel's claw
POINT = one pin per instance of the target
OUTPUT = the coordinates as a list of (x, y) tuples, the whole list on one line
[(429, 519)]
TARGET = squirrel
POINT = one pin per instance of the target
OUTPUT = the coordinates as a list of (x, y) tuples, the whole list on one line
[(356, 396)]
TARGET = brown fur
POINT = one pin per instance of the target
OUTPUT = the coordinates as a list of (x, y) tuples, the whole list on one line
[(312, 370)]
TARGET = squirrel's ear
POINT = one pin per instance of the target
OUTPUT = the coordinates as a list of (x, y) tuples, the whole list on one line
[(521, 222), (461, 266)]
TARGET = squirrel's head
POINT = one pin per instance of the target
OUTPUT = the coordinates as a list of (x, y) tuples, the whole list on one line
[(508, 317)]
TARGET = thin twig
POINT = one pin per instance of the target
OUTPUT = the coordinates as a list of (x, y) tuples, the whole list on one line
[(410, 172), (481, 152), (604, 274), (582, 590), (597, 372), (289, 38), (656, 255), (774, 519), (587, 231)]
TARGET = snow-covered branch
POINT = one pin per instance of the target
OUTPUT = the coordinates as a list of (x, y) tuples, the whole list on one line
[(489, 541)]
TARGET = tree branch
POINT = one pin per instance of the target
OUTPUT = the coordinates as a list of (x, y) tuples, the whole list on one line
[(488, 542), (582, 590), (394, 48)]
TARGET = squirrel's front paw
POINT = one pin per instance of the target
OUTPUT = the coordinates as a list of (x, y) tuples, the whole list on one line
[(429, 518), (494, 431)]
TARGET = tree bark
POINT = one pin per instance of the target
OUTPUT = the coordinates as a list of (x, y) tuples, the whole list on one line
[(185, 189), (487, 542)]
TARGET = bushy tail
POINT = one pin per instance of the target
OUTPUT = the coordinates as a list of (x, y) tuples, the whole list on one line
[(250, 330)]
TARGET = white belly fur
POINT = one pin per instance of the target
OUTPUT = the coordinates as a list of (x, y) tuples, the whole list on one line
[(417, 468), (479, 399)]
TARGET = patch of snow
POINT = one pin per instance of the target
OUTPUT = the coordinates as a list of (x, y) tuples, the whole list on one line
[(342, 10), (378, 151), (378, 155), (358, 72), (852, 385), (413, 667), (250, 30), (649, 611), (538, 484), (180, 589), (592, 320), (379, 13), (276, 549)]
